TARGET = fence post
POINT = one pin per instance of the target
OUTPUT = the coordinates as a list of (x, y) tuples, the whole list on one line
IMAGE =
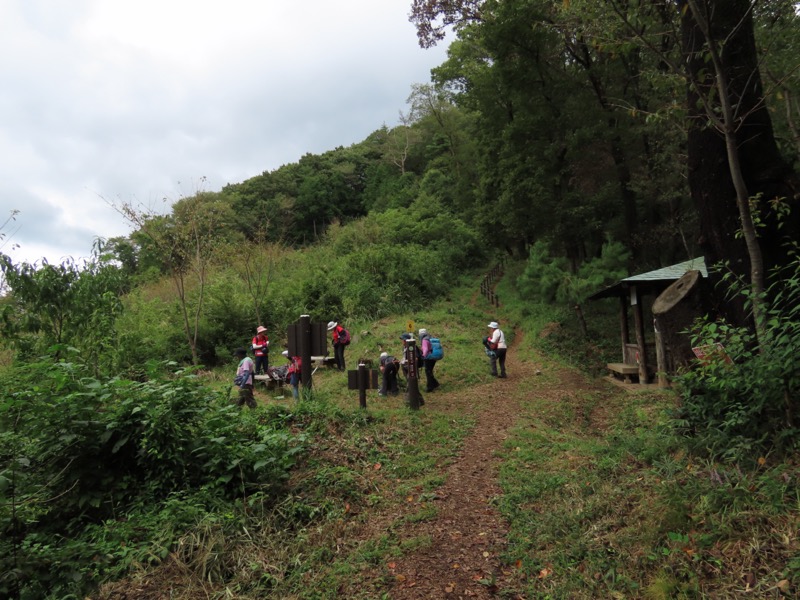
[(305, 351), (362, 385)]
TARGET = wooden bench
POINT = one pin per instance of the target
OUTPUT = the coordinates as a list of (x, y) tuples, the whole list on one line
[(624, 369), (271, 382)]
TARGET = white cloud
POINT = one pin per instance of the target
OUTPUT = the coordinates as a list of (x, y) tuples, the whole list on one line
[(141, 100)]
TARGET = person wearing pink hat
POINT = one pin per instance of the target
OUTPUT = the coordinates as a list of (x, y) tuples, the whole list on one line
[(497, 344), (261, 350)]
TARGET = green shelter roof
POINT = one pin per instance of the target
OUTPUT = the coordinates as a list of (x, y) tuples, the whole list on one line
[(652, 282)]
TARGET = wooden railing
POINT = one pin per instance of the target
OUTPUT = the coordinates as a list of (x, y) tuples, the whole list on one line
[(487, 288)]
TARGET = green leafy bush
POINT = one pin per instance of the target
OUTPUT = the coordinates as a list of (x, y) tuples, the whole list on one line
[(743, 400), (76, 451)]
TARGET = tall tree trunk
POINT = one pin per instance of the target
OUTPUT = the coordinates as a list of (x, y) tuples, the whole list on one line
[(750, 140)]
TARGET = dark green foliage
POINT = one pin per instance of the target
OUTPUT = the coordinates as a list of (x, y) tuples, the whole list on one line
[(68, 304), (745, 399), (548, 278), (77, 451), (386, 187)]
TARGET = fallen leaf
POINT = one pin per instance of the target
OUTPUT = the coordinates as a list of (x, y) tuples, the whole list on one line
[(456, 566), (519, 564), (392, 565), (450, 588), (784, 585), (410, 499), (477, 577), (346, 507), (762, 461), (485, 555), (400, 578), (750, 580), (377, 466), (545, 573)]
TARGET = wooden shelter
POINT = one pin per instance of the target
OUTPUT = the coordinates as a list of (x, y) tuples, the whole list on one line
[(639, 356)]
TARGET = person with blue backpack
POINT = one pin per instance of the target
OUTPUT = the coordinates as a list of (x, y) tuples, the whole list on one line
[(244, 378), (431, 352)]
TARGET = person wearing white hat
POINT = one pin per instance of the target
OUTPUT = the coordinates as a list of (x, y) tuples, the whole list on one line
[(341, 338), (428, 363), (244, 378), (388, 366), (497, 344), (261, 350)]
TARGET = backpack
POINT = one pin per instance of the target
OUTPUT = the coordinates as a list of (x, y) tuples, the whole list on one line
[(437, 352), (344, 337)]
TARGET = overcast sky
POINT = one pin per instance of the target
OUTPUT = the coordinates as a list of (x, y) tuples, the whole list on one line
[(136, 101)]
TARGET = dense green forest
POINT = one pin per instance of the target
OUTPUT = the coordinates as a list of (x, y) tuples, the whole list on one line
[(576, 142)]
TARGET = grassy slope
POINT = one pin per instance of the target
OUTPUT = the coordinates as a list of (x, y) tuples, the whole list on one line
[(601, 499)]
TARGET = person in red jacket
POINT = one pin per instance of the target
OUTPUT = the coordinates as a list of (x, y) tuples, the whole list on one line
[(340, 339), (294, 372), (261, 350)]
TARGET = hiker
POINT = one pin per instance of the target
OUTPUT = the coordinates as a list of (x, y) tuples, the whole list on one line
[(388, 368), (428, 363), (244, 378), (341, 338), (261, 350), (294, 371), (496, 343)]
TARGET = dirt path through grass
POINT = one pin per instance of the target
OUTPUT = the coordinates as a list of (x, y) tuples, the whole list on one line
[(467, 537)]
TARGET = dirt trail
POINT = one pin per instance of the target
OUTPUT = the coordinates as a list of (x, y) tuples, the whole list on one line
[(468, 535)]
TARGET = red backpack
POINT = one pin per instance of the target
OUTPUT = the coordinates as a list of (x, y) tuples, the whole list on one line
[(343, 337)]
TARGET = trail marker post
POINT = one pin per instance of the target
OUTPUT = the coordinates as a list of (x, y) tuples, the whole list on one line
[(362, 380), (307, 339), (413, 397)]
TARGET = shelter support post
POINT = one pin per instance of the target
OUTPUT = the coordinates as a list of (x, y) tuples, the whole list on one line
[(623, 324), (661, 356), (638, 319)]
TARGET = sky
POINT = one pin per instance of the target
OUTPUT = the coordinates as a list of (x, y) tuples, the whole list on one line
[(148, 101)]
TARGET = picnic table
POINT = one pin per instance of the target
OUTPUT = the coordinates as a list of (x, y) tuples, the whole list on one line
[(277, 376)]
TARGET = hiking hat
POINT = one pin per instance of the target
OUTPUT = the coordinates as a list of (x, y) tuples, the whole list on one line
[(493, 325), (261, 329), (406, 336), (285, 353), (240, 352), (384, 354), (423, 332), (331, 325)]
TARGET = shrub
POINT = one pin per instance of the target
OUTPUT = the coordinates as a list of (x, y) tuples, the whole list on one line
[(743, 400), (76, 451)]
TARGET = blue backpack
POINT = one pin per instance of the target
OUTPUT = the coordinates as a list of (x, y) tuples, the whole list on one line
[(437, 352)]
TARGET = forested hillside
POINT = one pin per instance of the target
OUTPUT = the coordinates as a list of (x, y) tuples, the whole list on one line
[(574, 142)]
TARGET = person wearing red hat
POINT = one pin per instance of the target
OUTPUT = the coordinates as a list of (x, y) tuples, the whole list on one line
[(261, 350)]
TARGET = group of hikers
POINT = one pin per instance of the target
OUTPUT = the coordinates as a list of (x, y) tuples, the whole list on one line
[(428, 351)]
